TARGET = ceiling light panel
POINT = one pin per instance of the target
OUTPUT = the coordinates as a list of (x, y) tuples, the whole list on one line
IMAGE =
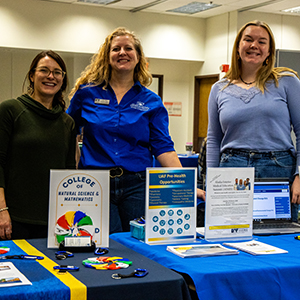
[(194, 7), (142, 7), (294, 10)]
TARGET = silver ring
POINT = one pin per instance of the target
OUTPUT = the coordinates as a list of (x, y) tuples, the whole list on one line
[(115, 276)]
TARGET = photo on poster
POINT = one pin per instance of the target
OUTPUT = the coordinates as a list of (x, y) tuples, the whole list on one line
[(78, 206)]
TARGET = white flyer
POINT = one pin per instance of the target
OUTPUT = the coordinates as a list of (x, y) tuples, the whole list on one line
[(229, 203), (256, 248), (11, 276), (78, 206)]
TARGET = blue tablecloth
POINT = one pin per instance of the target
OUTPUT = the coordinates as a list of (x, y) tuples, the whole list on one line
[(160, 284), (234, 277), (44, 284)]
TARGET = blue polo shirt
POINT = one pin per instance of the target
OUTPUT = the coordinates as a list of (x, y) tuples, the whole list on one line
[(125, 134)]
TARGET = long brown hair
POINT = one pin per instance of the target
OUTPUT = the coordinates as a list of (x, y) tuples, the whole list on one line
[(267, 70), (99, 70), (58, 98)]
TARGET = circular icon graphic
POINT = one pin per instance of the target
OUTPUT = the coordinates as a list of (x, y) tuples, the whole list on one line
[(162, 213), (73, 223), (162, 231), (155, 228), (179, 212), (162, 223), (171, 222), (155, 219), (186, 226), (170, 231), (187, 216), (171, 212), (179, 221), (179, 230)]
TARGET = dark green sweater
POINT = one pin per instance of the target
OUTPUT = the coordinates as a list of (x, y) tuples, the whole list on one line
[(33, 140)]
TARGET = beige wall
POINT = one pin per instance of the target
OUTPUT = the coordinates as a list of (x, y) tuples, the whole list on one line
[(36, 24), (221, 32)]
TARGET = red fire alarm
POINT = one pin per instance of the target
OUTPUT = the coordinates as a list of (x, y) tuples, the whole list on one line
[(224, 68)]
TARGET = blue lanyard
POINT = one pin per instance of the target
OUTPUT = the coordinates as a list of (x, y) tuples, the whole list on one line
[(101, 251), (66, 268), (22, 257), (135, 273)]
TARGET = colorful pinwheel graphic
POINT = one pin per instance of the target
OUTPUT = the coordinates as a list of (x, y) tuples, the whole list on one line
[(74, 223)]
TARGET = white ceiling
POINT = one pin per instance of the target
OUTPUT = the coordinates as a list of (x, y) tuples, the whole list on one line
[(265, 6)]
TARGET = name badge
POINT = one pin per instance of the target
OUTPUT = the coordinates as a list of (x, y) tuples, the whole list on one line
[(101, 101)]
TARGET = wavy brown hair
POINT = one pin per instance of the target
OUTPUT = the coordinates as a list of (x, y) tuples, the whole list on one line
[(58, 97), (99, 70), (267, 71)]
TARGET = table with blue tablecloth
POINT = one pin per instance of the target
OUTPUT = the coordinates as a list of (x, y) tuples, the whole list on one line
[(160, 283), (233, 277)]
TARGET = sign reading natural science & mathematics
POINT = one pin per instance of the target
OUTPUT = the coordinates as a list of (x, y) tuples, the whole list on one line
[(170, 205), (78, 206)]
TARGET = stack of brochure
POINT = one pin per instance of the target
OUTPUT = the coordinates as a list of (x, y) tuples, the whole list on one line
[(201, 250), (256, 248)]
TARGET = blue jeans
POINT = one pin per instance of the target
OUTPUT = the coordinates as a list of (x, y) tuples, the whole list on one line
[(278, 164), (127, 200)]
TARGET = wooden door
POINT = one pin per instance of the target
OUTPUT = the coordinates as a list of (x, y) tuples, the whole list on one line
[(203, 86)]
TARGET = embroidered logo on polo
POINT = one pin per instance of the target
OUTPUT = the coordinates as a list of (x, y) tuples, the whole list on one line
[(139, 106), (101, 101)]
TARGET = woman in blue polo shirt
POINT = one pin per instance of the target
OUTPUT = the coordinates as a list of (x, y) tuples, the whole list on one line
[(124, 123)]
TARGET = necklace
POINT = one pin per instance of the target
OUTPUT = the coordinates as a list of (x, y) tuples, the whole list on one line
[(248, 83)]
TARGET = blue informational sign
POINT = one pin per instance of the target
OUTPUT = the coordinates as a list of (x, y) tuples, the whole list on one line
[(171, 205)]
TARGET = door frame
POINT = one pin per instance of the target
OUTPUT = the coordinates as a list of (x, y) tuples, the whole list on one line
[(160, 84)]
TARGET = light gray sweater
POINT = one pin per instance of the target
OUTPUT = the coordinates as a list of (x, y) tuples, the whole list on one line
[(252, 120)]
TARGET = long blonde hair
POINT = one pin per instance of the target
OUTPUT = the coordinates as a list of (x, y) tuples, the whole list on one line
[(267, 71), (99, 70)]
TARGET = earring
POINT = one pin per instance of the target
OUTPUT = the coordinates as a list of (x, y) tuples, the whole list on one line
[(30, 89), (266, 62)]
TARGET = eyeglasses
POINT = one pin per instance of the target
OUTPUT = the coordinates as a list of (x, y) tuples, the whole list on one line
[(58, 74)]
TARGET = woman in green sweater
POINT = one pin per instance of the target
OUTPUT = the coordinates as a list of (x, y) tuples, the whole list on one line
[(36, 135)]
